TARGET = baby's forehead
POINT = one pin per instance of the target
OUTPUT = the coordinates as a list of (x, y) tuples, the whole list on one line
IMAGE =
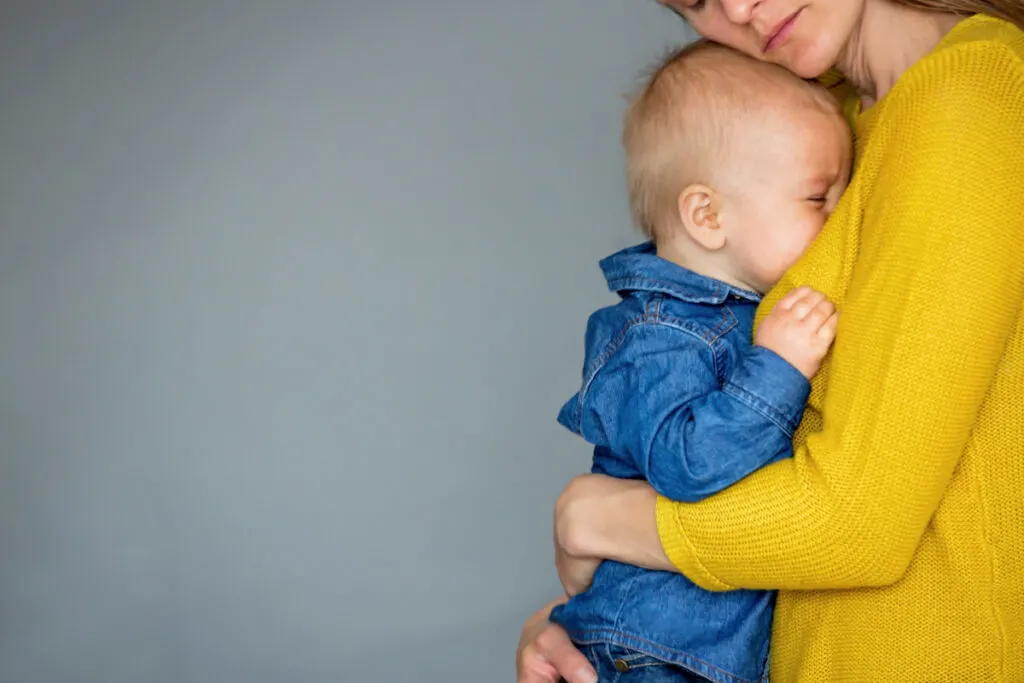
[(753, 92), (751, 105), (749, 78)]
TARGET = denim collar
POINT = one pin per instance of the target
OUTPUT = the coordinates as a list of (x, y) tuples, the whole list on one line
[(639, 268)]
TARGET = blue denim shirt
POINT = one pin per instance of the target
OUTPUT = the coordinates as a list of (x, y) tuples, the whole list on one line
[(675, 392)]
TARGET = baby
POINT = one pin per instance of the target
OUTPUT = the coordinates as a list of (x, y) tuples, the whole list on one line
[(733, 166)]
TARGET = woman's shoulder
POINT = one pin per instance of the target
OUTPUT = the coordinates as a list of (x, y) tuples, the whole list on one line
[(979, 49), (984, 32), (982, 53), (977, 69)]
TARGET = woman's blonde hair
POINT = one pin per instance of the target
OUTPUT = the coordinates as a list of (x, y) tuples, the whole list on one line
[(1010, 10)]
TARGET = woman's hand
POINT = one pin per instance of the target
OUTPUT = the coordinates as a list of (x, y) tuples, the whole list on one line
[(547, 655), (603, 518)]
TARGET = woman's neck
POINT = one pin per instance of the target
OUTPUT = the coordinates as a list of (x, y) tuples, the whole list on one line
[(888, 40)]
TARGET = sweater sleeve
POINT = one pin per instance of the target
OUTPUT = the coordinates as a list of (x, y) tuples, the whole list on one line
[(933, 298)]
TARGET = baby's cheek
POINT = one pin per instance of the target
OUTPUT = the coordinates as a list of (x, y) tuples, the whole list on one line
[(812, 225)]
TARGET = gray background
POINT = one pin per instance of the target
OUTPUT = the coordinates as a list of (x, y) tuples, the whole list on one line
[(290, 293)]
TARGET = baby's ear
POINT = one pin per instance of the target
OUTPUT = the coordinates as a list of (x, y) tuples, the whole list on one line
[(698, 214)]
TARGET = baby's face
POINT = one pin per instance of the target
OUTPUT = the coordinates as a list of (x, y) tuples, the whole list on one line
[(783, 189)]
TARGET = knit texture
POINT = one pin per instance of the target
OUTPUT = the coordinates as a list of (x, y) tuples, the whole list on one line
[(907, 480)]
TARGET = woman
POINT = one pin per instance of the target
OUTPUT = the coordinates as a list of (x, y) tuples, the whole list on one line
[(905, 488)]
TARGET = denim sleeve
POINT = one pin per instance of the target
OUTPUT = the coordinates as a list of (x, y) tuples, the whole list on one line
[(658, 401)]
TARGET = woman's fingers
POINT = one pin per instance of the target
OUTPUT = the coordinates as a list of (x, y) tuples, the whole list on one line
[(553, 656), (557, 649)]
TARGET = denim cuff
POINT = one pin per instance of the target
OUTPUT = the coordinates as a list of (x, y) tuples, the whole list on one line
[(771, 386)]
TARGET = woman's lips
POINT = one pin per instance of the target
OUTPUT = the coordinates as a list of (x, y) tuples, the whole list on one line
[(780, 34)]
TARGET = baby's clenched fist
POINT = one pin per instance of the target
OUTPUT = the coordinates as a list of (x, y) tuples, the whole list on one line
[(800, 328)]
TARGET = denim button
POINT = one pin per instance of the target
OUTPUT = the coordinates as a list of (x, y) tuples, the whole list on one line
[(621, 665)]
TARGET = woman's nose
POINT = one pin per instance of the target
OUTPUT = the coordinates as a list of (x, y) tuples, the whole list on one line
[(739, 11)]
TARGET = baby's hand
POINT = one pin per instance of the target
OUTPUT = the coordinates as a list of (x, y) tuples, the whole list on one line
[(800, 328)]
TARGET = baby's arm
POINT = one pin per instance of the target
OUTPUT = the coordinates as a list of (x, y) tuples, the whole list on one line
[(658, 400)]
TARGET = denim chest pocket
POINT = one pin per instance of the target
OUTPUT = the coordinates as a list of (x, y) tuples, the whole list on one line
[(715, 326), (706, 323), (709, 322)]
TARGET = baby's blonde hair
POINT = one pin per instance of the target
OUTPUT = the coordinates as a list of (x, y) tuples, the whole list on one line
[(679, 125)]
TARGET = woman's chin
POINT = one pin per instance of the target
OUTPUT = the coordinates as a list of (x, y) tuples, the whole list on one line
[(809, 63)]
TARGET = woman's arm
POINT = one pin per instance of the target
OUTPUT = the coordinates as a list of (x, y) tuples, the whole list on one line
[(934, 296), (599, 517)]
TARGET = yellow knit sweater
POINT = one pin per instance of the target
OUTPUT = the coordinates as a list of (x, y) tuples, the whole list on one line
[(907, 482)]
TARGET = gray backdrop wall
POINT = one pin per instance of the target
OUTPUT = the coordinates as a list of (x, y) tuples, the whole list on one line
[(290, 293)]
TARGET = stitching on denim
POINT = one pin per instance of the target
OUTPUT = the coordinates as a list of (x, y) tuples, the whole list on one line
[(710, 336), (633, 664), (718, 295), (732, 314), (577, 414), (655, 662), (630, 585), (655, 304), (699, 330), (653, 314), (631, 659), (708, 333), (762, 406), (672, 288), (718, 671), (613, 344), (598, 364), (728, 322), (721, 357), (682, 653), (718, 348)]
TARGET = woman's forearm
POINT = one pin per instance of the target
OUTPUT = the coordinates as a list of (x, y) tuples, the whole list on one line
[(612, 519)]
